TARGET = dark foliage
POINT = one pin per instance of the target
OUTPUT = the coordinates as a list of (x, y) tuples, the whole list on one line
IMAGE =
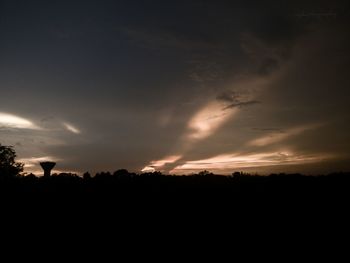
[(152, 193), (8, 166), (123, 182)]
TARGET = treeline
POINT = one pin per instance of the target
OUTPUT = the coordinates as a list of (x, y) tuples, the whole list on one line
[(122, 181), (130, 197)]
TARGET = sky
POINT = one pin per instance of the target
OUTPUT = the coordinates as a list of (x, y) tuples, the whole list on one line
[(176, 86)]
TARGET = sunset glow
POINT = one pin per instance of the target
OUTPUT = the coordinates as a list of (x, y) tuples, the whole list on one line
[(176, 86), (230, 162), (32, 164), (154, 165), (279, 136)]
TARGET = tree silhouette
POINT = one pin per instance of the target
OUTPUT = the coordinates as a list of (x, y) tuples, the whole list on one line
[(205, 173), (8, 166), (87, 176)]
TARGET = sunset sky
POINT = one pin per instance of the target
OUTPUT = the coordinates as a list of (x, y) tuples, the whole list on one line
[(176, 86)]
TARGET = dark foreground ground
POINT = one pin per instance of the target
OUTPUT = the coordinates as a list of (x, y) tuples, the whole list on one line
[(153, 210), (159, 190)]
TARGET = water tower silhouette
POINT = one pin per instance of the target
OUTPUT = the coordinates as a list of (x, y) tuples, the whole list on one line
[(47, 167)]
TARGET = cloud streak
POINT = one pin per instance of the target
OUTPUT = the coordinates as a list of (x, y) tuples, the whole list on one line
[(71, 128), (207, 120), (154, 165), (10, 121), (278, 136), (230, 162), (242, 104)]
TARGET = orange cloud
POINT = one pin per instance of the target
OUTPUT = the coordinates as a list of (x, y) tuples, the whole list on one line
[(207, 120), (229, 162), (160, 163), (275, 137)]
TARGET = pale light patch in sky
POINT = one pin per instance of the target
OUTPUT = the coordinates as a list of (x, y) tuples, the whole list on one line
[(148, 169), (203, 124), (213, 115), (279, 136), (208, 119), (71, 128), (33, 161), (160, 163), (230, 162), (16, 122), (32, 165)]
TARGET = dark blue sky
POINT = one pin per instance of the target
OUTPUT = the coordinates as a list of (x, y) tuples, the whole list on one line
[(176, 86)]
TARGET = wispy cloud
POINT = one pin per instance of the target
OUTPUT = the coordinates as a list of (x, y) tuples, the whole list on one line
[(235, 99), (268, 129), (242, 104), (10, 121), (228, 96), (266, 57), (205, 70), (154, 165), (32, 165), (229, 162), (29, 162), (278, 135), (71, 128), (207, 120)]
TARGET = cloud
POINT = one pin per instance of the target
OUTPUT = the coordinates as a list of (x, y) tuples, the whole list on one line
[(71, 128), (228, 96), (32, 164), (10, 121), (265, 57), (242, 104), (33, 161), (205, 70), (47, 119), (278, 135), (227, 163), (157, 165), (207, 120), (268, 129), (235, 99), (213, 53)]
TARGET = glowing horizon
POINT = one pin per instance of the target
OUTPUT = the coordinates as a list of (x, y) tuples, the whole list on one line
[(240, 161)]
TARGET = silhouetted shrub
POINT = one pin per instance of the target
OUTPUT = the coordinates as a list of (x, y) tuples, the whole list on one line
[(9, 168), (86, 176)]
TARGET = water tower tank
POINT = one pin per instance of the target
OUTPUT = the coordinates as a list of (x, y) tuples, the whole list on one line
[(47, 167)]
